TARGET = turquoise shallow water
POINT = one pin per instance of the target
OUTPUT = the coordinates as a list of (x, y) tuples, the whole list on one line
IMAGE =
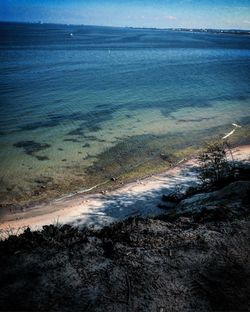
[(67, 100)]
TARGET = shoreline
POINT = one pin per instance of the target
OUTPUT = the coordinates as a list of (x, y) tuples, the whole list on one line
[(44, 187), (98, 209)]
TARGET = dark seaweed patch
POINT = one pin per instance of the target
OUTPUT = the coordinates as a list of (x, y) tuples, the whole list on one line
[(94, 128), (127, 153), (100, 140), (42, 158), (102, 106), (43, 180), (90, 137), (89, 157), (58, 101), (72, 140), (86, 145), (194, 119), (31, 147), (78, 131), (91, 122), (133, 152), (39, 124), (242, 98), (53, 121), (66, 117), (93, 117), (169, 107), (244, 121)]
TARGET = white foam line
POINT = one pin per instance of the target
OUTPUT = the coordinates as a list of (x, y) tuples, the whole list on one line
[(81, 192), (228, 134)]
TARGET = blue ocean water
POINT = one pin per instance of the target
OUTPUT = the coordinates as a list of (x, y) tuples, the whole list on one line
[(68, 94)]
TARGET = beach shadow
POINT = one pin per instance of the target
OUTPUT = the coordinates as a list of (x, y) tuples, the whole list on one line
[(121, 205)]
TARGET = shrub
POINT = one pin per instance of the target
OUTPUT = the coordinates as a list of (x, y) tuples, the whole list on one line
[(215, 167)]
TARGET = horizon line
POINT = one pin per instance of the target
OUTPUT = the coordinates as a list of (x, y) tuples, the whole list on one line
[(133, 27)]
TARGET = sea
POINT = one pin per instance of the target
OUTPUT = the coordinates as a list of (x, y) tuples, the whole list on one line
[(83, 105)]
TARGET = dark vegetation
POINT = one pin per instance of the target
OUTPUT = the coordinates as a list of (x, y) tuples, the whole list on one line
[(135, 265), (215, 168)]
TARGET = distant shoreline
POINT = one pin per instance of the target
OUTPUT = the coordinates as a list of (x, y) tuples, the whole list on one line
[(178, 29)]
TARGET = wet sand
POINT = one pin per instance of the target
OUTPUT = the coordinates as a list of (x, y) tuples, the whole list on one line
[(137, 198)]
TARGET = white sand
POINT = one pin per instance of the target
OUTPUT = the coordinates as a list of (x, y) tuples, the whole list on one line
[(137, 198)]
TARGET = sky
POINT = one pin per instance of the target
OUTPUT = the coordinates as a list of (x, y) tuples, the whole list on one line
[(136, 13)]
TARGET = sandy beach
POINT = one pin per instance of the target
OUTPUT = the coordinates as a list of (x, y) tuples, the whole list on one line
[(137, 198)]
